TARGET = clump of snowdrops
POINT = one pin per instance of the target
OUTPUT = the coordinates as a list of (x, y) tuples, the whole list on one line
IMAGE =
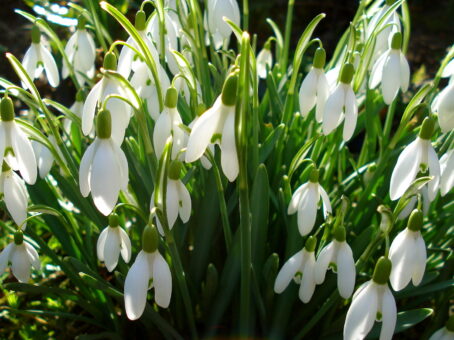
[(201, 184)]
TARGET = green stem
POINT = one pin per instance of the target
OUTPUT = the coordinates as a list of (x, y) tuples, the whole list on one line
[(389, 121), (288, 32), (245, 15)]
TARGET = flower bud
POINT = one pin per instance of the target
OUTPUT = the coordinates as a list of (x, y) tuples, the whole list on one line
[(229, 90), (150, 239), (141, 20), (110, 61), (311, 243), (81, 21), (175, 169), (382, 270), (347, 73), (18, 237), (427, 128), (396, 42), (340, 234), (7, 109), (415, 222), (171, 98), (104, 124), (387, 220), (36, 34), (319, 58), (114, 220), (313, 176)]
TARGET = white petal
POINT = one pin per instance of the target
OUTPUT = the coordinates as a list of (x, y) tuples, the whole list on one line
[(30, 61), (296, 197), (50, 67), (287, 272), (326, 202), (404, 73), (447, 179), (111, 249), (136, 286), (2, 142), (406, 169), (307, 287), (5, 257), (25, 156), (308, 92), (229, 157), (87, 51), (122, 166), (419, 263), (361, 314), (161, 132), (351, 114), (32, 256), (172, 200), (20, 263), (346, 271), (333, 113), (391, 77), (264, 59), (307, 211), (184, 207), (324, 259), (444, 105), (389, 312), (448, 71), (401, 255), (162, 281), (434, 170), (88, 113), (16, 198), (101, 243), (85, 169), (377, 71), (125, 245), (322, 95)]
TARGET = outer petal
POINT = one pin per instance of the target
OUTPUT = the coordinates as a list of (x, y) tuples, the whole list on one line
[(389, 312), (351, 114), (20, 263), (30, 61), (50, 67), (296, 197), (32, 256), (406, 169), (346, 271), (229, 157), (161, 132), (447, 179), (444, 105), (419, 263), (326, 202), (324, 259), (87, 51), (307, 211), (333, 113), (184, 208), (308, 92), (448, 71), (16, 198), (85, 169), (307, 287), (404, 73), (401, 254), (88, 112), (101, 243), (136, 287), (5, 257), (2, 142), (24, 154), (111, 249), (122, 166), (377, 71), (434, 170), (287, 272), (361, 314), (172, 202), (391, 77), (125, 245), (322, 95), (162, 281)]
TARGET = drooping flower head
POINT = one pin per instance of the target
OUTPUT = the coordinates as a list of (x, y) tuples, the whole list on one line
[(447, 172), (218, 28), (15, 195), (443, 105)]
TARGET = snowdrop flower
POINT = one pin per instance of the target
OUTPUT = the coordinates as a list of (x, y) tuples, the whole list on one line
[(341, 105), (169, 123), (178, 199), (219, 29), (15, 195), (301, 268), (81, 52), (103, 168), (408, 254), (14, 142), (391, 70), (443, 105), (120, 111), (448, 71), (217, 125), (21, 255), (447, 172), (150, 270), (112, 242), (38, 58), (445, 333), (264, 60), (372, 301), (338, 255), (418, 154), (77, 108), (314, 88), (203, 160), (305, 201)]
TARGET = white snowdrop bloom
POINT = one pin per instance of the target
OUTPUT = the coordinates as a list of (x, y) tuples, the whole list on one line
[(373, 301), (408, 254), (419, 154), (38, 58), (21, 255), (338, 255), (301, 268), (305, 201), (112, 242), (168, 124), (103, 168), (448, 71), (14, 142), (219, 29), (391, 70), (203, 160), (264, 60), (120, 111), (447, 172), (424, 193), (217, 125), (150, 270), (445, 333), (81, 52), (443, 105), (77, 108), (178, 199), (341, 105), (15, 195), (314, 88)]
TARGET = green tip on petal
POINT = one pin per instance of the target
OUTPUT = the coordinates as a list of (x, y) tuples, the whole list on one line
[(141, 21), (110, 61), (81, 21), (171, 98), (427, 128), (450, 324), (104, 124), (7, 109), (229, 90), (314, 175), (150, 239), (311, 243), (36, 34), (396, 42), (19, 237), (416, 220), (5, 167), (114, 220), (319, 58), (340, 234), (347, 73), (175, 169), (382, 270)]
